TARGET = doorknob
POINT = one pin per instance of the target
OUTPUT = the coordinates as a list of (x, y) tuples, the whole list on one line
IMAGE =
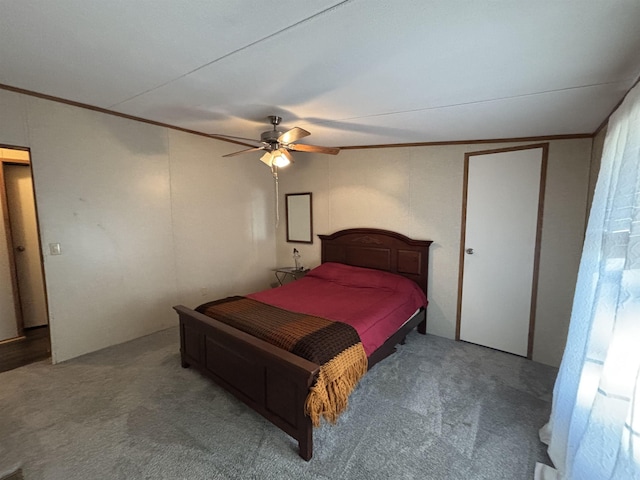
[(469, 251), (21, 248)]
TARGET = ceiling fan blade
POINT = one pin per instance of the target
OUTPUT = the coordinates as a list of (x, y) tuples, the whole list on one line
[(296, 133), (301, 147), (243, 151)]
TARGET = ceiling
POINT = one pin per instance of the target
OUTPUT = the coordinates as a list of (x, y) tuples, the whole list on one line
[(353, 73)]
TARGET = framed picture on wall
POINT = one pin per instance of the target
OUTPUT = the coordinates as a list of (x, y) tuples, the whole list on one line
[(299, 217)]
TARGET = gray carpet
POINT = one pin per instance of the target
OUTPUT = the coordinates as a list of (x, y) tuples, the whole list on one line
[(437, 409)]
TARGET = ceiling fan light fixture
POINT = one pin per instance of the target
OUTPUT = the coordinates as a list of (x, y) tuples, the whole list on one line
[(278, 158), (267, 159), (282, 158), (278, 144)]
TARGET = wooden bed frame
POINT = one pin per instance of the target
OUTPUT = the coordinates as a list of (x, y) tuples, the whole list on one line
[(275, 382)]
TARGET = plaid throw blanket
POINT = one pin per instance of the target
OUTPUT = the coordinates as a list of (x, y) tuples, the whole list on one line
[(335, 346)]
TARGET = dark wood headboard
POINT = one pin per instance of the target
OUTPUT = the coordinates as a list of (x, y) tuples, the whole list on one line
[(381, 250)]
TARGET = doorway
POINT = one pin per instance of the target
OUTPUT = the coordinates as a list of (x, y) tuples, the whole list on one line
[(500, 244), (24, 326)]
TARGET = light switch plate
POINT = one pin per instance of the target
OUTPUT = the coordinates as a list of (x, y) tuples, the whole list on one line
[(54, 249)]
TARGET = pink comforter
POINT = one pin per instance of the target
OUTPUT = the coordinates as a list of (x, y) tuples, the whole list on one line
[(375, 303)]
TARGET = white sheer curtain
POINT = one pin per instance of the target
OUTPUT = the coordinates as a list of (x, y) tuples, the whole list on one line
[(594, 429)]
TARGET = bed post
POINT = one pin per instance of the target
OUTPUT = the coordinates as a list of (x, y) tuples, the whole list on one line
[(422, 326), (305, 442)]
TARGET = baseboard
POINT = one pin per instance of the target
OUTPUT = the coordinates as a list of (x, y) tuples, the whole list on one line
[(16, 475), (11, 340)]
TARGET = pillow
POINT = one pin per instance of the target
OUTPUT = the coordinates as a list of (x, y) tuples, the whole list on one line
[(351, 276)]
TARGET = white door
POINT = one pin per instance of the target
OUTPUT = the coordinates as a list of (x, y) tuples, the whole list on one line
[(26, 244), (500, 238)]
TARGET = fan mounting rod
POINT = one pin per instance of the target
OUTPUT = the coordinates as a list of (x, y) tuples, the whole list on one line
[(272, 137), (275, 120)]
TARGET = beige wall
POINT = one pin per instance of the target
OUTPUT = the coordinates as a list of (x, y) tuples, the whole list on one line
[(596, 158), (13, 131), (147, 217), (8, 324), (418, 191), (8, 315), (223, 219)]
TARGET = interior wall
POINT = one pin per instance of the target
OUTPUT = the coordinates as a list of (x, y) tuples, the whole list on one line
[(13, 132), (417, 191), (8, 322), (149, 217), (105, 189), (596, 158), (223, 220), (9, 318)]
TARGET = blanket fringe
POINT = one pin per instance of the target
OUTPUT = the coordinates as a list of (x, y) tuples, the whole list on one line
[(337, 378)]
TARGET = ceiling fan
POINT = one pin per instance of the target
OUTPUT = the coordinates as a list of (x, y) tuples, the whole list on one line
[(277, 145)]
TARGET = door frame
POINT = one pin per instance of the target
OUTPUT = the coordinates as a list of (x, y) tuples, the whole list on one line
[(536, 261), (9, 237)]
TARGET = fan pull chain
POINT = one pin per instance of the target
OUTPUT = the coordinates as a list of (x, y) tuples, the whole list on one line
[(274, 170)]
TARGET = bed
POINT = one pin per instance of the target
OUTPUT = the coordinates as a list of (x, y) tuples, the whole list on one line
[(276, 382)]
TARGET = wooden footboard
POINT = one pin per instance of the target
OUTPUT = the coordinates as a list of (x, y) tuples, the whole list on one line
[(271, 381)]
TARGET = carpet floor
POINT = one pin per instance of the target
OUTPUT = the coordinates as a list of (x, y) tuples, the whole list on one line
[(436, 409)]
